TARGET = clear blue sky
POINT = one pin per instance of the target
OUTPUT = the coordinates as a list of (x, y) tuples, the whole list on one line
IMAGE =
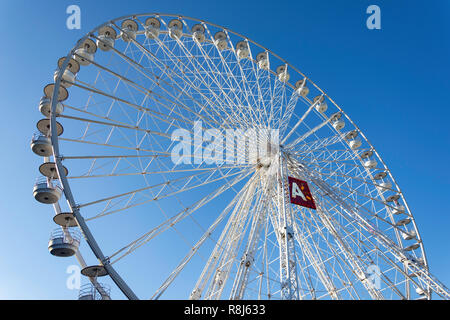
[(393, 83)]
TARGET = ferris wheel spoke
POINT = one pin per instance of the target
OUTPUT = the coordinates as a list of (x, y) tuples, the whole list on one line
[(389, 246), (319, 144), (349, 254), (290, 107), (351, 166), (376, 215), (347, 284), (136, 128), (150, 172), (339, 184), (348, 177), (346, 195), (345, 162), (348, 234), (163, 185), (165, 69), (309, 133), (259, 103), (314, 253), (196, 71), (145, 72), (172, 221), (314, 258), (277, 102), (300, 121), (213, 259), (233, 82), (159, 116), (348, 192), (116, 146), (248, 257), (329, 222), (246, 87), (207, 235), (94, 115), (371, 247), (218, 268), (159, 196), (112, 124)]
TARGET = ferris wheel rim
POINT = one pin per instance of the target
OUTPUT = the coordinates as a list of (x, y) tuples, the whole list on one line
[(66, 185)]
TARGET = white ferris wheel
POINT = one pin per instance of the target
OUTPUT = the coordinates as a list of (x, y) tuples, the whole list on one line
[(317, 215)]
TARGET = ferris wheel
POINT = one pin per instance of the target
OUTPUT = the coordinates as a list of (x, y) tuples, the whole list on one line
[(195, 163)]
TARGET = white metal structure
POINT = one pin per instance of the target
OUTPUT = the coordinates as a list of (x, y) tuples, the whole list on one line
[(243, 239)]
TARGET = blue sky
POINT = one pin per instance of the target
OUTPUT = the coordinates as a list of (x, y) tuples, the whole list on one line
[(392, 82)]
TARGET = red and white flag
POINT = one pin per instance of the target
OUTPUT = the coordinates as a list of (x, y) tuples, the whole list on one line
[(300, 194)]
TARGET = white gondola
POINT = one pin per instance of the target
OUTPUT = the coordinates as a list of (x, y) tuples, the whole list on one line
[(366, 154), (85, 53), (94, 292), (355, 144), (220, 40), (393, 197), (412, 247), (351, 135), (338, 125), (398, 210), (409, 235), (195, 295), (64, 243), (242, 50), (48, 169), (198, 33), (420, 261), (43, 126), (45, 107), (94, 271), (175, 29), (46, 192), (73, 66), (403, 222), (384, 186), (262, 60), (334, 118), (302, 90), (129, 28), (65, 219), (106, 38), (41, 145), (69, 74), (322, 106), (68, 77), (220, 277), (152, 28), (370, 164), (320, 99), (63, 94), (380, 175), (420, 291), (283, 74)]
